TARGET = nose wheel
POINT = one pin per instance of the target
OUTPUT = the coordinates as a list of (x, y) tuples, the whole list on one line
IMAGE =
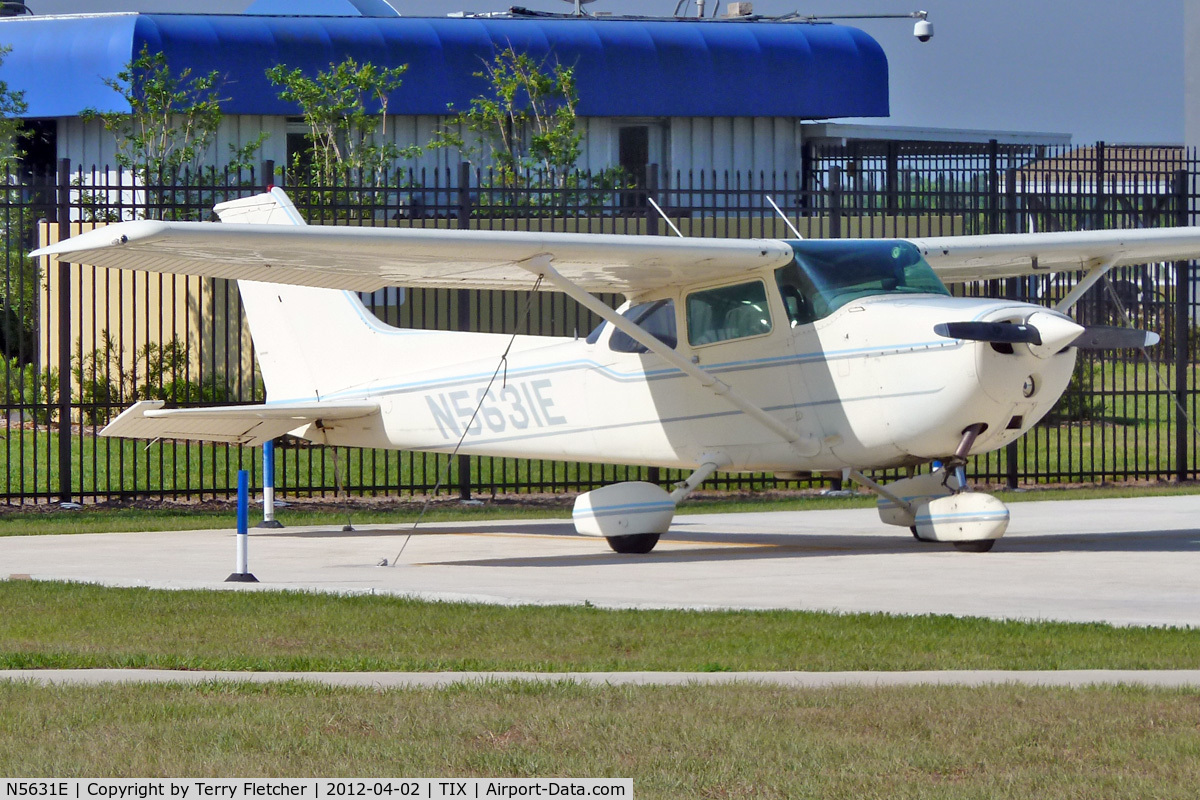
[(937, 507), (981, 546)]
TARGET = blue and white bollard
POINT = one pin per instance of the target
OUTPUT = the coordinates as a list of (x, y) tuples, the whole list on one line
[(268, 520), (243, 575)]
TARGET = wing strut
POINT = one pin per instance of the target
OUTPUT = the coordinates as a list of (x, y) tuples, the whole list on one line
[(1095, 272), (541, 265)]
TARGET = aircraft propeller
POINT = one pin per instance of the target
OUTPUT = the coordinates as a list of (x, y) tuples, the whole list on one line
[(1061, 333)]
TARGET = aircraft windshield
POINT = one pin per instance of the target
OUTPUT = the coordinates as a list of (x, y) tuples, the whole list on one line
[(827, 275)]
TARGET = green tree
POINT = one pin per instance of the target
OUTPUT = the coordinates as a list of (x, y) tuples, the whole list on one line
[(156, 372), (345, 139), (12, 106), (170, 127), (526, 123), (19, 289)]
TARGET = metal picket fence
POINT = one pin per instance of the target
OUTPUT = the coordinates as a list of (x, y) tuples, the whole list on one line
[(82, 343)]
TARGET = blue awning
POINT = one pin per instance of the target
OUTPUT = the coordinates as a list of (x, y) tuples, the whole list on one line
[(624, 68)]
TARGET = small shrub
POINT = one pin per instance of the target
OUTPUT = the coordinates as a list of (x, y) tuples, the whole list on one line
[(1080, 402), (31, 393)]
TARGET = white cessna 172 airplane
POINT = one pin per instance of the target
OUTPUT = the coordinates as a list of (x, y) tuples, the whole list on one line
[(740, 355)]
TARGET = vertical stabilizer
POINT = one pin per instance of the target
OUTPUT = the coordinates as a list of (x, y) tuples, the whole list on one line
[(311, 343)]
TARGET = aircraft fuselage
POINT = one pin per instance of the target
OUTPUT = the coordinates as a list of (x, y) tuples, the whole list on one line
[(869, 385)]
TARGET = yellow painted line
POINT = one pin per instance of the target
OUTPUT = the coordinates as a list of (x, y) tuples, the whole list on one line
[(716, 544), (486, 535)]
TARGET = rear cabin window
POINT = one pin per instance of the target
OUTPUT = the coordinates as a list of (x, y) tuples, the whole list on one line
[(656, 317), (728, 312)]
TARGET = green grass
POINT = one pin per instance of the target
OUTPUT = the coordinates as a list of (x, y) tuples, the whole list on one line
[(29, 465), (151, 516), (41, 520), (1131, 435), (54, 625), (673, 742)]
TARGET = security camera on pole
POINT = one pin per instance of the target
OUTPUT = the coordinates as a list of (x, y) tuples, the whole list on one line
[(923, 29)]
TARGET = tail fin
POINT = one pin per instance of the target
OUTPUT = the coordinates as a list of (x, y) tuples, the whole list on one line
[(311, 343)]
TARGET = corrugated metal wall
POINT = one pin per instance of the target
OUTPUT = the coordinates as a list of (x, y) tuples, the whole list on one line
[(680, 144)]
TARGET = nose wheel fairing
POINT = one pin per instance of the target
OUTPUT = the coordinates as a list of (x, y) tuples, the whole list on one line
[(961, 518), (937, 507)]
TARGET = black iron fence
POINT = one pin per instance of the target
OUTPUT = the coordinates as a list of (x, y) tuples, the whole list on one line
[(82, 343)]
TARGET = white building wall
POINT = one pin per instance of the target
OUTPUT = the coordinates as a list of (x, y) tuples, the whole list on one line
[(715, 153), (716, 146)]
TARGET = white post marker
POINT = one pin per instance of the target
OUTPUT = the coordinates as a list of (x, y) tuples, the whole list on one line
[(243, 575), (268, 520)]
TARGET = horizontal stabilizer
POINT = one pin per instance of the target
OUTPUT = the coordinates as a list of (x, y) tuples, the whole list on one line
[(249, 425)]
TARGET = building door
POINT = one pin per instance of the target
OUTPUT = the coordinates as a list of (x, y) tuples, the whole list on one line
[(635, 152), (634, 157)]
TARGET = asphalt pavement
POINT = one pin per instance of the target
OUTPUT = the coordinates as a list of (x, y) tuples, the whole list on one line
[(1132, 561)]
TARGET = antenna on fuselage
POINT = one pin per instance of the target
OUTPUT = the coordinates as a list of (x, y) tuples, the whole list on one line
[(786, 221), (663, 214)]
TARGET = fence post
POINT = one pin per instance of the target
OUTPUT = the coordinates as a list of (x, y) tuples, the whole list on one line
[(64, 336), (651, 193), (835, 202), (1100, 170), (268, 173), (464, 309), (893, 179), (1183, 289), (1017, 290), (993, 186)]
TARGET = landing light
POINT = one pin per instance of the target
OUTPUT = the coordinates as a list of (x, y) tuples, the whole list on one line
[(1029, 387)]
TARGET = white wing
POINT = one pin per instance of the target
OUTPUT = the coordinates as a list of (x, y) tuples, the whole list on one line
[(1007, 255), (366, 259)]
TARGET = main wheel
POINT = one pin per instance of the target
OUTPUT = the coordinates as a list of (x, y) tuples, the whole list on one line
[(981, 546), (634, 543)]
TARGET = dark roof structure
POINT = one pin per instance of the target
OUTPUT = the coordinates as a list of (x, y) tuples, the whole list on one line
[(623, 67)]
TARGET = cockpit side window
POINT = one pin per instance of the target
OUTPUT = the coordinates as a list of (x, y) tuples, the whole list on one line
[(656, 317), (728, 312), (798, 294)]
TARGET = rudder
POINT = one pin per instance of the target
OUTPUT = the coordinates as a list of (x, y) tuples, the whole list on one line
[(309, 342)]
